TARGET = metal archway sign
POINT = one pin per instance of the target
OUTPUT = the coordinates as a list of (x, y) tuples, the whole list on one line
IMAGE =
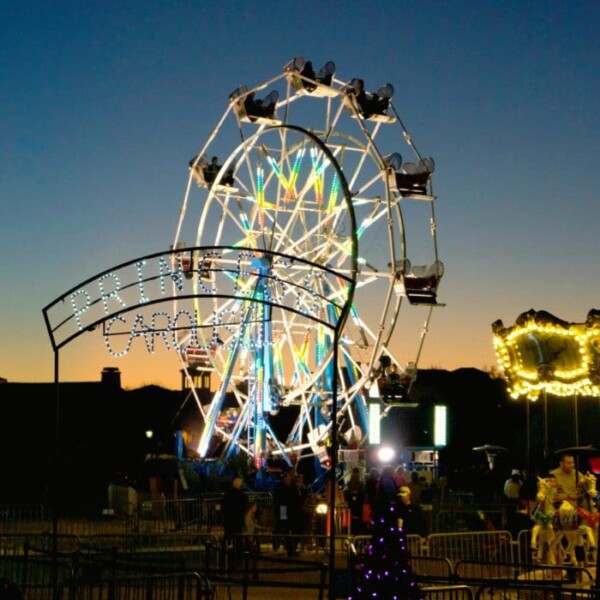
[(123, 299)]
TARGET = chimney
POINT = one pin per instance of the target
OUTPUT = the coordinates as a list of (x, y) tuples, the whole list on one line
[(111, 377)]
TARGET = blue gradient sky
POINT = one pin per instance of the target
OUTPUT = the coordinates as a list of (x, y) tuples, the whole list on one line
[(103, 104)]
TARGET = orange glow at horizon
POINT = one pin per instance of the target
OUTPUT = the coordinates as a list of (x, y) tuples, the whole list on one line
[(84, 359)]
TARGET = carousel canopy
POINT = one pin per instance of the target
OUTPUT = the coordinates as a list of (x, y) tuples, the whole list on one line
[(542, 352)]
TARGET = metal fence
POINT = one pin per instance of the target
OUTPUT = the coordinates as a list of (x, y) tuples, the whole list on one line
[(175, 586), (38, 577), (520, 591), (202, 514), (492, 546), (23, 517), (170, 569), (79, 557), (447, 592)]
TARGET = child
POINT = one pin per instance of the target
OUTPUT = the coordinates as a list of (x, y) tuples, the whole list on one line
[(250, 543)]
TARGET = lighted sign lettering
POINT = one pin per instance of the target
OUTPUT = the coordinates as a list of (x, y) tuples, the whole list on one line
[(79, 310), (251, 279), (139, 268), (113, 293)]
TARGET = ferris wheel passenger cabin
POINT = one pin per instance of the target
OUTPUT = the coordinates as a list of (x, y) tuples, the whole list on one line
[(204, 174), (369, 106), (419, 283), (250, 110), (182, 260), (410, 180), (190, 263), (304, 80), (197, 357), (392, 384)]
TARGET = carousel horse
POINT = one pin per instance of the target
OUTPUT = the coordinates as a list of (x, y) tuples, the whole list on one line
[(588, 511), (542, 534), (590, 494), (568, 538)]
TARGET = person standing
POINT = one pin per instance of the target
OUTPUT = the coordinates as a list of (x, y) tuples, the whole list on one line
[(411, 517), (387, 491), (400, 476), (288, 511), (371, 489), (512, 486), (234, 507), (354, 494), (528, 489), (415, 487), (250, 527)]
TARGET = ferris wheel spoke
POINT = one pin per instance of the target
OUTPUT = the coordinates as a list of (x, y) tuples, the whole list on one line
[(288, 183), (304, 241), (241, 424)]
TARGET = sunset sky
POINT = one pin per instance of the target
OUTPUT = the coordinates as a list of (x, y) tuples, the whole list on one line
[(104, 103)]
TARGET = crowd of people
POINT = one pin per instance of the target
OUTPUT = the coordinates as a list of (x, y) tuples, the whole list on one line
[(371, 499), (362, 498), (240, 514), (366, 497)]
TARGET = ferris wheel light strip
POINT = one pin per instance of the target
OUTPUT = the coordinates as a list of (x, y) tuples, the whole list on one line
[(363, 227), (288, 184), (315, 177), (333, 194), (282, 178), (318, 176), (295, 171), (278, 361), (346, 247), (300, 358), (260, 194), (320, 349), (245, 222)]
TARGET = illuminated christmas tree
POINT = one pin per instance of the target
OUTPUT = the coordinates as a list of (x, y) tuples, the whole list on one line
[(384, 572)]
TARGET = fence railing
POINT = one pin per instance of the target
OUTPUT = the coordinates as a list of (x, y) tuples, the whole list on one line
[(172, 586), (152, 566), (202, 514), (494, 546), (186, 536)]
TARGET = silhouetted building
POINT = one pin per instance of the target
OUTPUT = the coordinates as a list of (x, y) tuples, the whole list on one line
[(111, 377), (98, 429)]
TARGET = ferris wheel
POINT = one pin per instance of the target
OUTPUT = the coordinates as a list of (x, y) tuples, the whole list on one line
[(301, 175)]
